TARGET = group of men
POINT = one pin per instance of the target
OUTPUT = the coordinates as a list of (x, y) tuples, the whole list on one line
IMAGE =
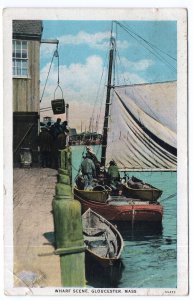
[(51, 139), (91, 169)]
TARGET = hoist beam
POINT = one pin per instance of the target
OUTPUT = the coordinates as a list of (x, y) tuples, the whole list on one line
[(49, 41)]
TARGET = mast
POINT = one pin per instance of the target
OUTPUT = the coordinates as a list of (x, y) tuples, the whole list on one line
[(106, 118)]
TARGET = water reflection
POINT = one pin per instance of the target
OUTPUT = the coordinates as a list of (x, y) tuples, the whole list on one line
[(139, 231)]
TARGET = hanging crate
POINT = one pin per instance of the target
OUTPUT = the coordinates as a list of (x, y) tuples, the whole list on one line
[(58, 105)]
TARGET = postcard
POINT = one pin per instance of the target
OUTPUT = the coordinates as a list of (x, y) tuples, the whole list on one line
[(95, 164)]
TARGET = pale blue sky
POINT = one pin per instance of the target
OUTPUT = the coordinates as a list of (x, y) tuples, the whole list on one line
[(146, 52)]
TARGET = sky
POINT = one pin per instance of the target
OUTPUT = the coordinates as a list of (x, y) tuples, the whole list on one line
[(146, 52)]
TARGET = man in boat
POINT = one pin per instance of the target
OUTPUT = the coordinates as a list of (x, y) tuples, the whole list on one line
[(88, 171), (113, 173), (93, 157)]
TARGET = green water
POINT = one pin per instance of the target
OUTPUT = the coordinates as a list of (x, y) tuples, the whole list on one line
[(149, 256)]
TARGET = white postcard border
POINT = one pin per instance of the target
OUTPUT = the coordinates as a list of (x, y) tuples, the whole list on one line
[(100, 14)]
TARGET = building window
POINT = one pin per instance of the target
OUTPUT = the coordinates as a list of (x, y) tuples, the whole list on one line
[(20, 58)]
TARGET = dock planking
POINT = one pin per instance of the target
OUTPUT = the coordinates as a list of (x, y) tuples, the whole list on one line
[(33, 229)]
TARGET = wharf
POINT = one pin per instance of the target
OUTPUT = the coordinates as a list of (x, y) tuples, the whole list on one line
[(33, 229)]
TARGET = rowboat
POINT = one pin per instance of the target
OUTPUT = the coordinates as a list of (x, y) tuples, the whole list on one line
[(103, 241), (93, 195), (151, 194), (137, 189)]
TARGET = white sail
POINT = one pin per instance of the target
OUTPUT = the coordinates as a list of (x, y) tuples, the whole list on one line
[(142, 126)]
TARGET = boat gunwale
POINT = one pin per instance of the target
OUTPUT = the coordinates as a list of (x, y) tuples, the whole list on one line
[(85, 191), (115, 231), (153, 189), (157, 204)]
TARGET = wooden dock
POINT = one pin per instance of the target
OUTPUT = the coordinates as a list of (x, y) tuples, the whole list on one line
[(33, 191)]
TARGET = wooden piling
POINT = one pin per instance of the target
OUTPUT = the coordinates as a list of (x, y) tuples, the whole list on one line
[(68, 228)]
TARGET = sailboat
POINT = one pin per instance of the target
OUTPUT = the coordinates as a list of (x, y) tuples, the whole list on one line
[(140, 137)]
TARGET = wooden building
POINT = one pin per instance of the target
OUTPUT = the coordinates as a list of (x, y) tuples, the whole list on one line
[(26, 85)]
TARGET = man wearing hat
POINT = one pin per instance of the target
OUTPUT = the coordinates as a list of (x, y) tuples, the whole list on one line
[(93, 157), (113, 173), (88, 171)]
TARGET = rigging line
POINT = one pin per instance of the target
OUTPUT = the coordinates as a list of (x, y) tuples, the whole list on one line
[(132, 88), (119, 74), (149, 43), (169, 197), (57, 55), (158, 55), (122, 73), (155, 54), (47, 77), (115, 56), (99, 85), (128, 30), (102, 97)]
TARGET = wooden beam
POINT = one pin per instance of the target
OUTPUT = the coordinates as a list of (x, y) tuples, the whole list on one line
[(44, 41)]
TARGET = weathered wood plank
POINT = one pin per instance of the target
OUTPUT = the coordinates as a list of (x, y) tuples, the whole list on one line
[(33, 226)]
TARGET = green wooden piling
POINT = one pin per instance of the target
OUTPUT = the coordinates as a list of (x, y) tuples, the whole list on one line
[(68, 229)]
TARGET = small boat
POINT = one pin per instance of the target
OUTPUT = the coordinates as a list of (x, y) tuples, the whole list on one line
[(119, 208), (99, 195), (137, 189), (103, 241)]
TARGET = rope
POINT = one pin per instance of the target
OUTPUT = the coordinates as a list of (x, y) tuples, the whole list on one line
[(55, 54), (169, 197), (47, 77), (155, 53), (98, 91), (150, 44)]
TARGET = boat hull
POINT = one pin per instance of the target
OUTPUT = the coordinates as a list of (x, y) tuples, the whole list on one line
[(98, 196), (126, 211), (103, 276)]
